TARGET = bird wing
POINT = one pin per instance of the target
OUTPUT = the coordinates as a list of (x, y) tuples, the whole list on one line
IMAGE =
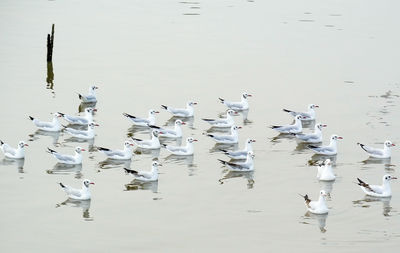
[(178, 111), (43, 124), (176, 149), (145, 174), (71, 191), (8, 149), (371, 150), (63, 158)]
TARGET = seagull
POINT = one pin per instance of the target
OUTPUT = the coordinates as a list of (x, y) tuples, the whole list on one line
[(181, 112), (153, 143), (314, 137), (317, 207), (82, 134), (151, 120), (377, 190), (247, 165), (79, 120), (240, 154), (18, 153), (145, 176), (288, 129), (80, 194), (227, 139), (237, 106), (325, 172), (171, 133), (379, 153), (91, 97), (331, 149), (226, 122), (182, 150), (68, 159), (124, 154), (309, 115), (53, 126)]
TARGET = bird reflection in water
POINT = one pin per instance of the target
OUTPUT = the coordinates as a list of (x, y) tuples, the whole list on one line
[(112, 163), (19, 163), (138, 130), (90, 142), (280, 137), (54, 135), (317, 159), (83, 106), (320, 218), (153, 153), (183, 160), (368, 200), (84, 204), (385, 161), (189, 121), (140, 185), (327, 186), (67, 169), (218, 146), (249, 176)]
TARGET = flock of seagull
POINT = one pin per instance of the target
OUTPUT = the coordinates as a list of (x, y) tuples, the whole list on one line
[(241, 160)]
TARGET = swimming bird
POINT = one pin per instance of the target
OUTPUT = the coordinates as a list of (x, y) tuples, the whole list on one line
[(145, 176), (80, 194), (181, 112), (117, 154), (227, 139), (182, 150), (68, 159), (331, 149), (325, 172), (82, 134), (314, 137), (317, 207), (240, 154), (308, 115), (18, 153), (226, 122), (80, 120), (382, 191), (53, 126), (153, 143), (171, 133), (150, 120), (247, 165), (237, 106), (90, 97), (293, 128), (379, 153)]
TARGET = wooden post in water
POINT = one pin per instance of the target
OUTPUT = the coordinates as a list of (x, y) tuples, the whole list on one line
[(50, 73)]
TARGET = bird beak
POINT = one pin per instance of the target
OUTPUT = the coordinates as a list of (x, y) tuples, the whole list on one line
[(83, 149), (183, 123), (240, 127), (96, 124), (317, 106), (253, 140), (340, 138), (236, 112), (161, 132), (159, 164), (157, 112), (394, 177), (195, 103), (94, 109), (91, 182), (26, 145), (131, 144), (393, 145), (324, 125), (195, 140), (249, 95), (96, 87)]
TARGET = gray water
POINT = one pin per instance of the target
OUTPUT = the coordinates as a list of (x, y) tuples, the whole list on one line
[(341, 55)]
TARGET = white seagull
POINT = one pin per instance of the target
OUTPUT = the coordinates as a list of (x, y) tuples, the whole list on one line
[(227, 139), (117, 154), (79, 120), (247, 165), (314, 137), (226, 122), (379, 153), (80, 194), (290, 129), (317, 207), (150, 120), (181, 112), (325, 172), (68, 159), (331, 149), (10, 152), (53, 126), (240, 154), (309, 115), (82, 134), (237, 106), (145, 176), (153, 143), (171, 133), (90, 97), (182, 150), (377, 190)]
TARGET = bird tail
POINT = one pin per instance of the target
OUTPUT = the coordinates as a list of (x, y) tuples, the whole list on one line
[(62, 114), (222, 161), (61, 184), (222, 100), (31, 118), (80, 96), (164, 145), (102, 149), (1, 142), (51, 151), (286, 110), (128, 115), (273, 127), (207, 120), (164, 107), (136, 139), (153, 126), (224, 150), (128, 171)]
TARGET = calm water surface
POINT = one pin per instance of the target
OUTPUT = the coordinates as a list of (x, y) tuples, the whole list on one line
[(341, 55)]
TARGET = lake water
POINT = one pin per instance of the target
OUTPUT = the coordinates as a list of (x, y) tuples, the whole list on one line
[(341, 55)]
